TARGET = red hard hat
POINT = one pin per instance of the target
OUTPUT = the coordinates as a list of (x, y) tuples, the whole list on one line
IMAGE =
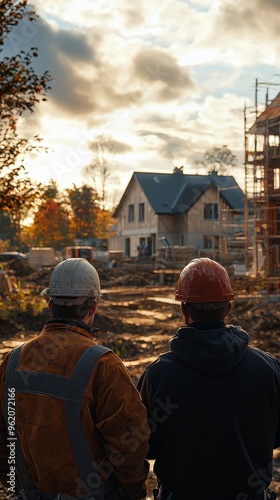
[(204, 280)]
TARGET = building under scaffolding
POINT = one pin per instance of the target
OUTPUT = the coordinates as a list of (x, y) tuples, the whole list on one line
[(262, 187)]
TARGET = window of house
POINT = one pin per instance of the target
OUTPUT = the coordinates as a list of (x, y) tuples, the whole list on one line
[(211, 211), (211, 241), (276, 179), (141, 212), (127, 247), (130, 213)]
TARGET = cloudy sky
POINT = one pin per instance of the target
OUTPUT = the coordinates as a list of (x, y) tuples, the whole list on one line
[(164, 80)]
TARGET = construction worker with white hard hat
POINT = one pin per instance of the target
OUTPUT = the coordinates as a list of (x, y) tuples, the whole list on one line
[(213, 402), (68, 406)]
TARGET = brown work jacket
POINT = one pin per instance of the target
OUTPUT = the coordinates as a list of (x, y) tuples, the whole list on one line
[(112, 417)]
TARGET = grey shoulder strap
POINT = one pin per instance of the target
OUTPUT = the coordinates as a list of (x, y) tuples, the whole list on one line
[(72, 390)]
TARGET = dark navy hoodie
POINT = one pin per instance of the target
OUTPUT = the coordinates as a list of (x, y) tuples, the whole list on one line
[(214, 411)]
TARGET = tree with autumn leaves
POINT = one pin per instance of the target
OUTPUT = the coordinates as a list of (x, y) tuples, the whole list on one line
[(51, 223), (63, 217), (20, 90), (59, 219), (88, 218), (84, 205)]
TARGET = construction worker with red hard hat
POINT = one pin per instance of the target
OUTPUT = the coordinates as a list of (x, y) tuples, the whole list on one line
[(69, 410), (213, 402)]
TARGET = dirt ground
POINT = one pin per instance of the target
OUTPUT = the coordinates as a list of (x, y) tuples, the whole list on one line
[(137, 317)]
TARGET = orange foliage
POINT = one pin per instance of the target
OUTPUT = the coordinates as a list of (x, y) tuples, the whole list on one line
[(50, 226)]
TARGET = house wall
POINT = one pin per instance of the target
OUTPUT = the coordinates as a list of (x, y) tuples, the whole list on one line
[(130, 233), (198, 226), (189, 229), (185, 229), (168, 229)]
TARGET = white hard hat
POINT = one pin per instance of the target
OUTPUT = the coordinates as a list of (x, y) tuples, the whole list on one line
[(72, 282)]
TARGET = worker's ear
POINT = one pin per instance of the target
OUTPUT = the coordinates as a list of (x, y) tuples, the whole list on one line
[(185, 313), (50, 304), (228, 309), (93, 307)]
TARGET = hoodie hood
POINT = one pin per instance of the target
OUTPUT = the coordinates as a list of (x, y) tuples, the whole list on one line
[(213, 351)]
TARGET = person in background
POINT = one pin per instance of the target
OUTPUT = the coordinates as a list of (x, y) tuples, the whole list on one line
[(72, 425), (213, 402)]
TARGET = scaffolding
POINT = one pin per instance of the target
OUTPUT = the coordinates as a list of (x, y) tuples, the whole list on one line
[(262, 185)]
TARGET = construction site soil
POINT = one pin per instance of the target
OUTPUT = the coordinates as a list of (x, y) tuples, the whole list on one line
[(137, 317)]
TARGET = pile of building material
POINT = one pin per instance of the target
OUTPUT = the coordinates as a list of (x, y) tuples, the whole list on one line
[(176, 255), (115, 255), (42, 257)]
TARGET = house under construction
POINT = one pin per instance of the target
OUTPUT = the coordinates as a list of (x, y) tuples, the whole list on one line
[(262, 187)]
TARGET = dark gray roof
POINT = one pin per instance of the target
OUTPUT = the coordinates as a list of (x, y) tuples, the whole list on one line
[(177, 192)]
